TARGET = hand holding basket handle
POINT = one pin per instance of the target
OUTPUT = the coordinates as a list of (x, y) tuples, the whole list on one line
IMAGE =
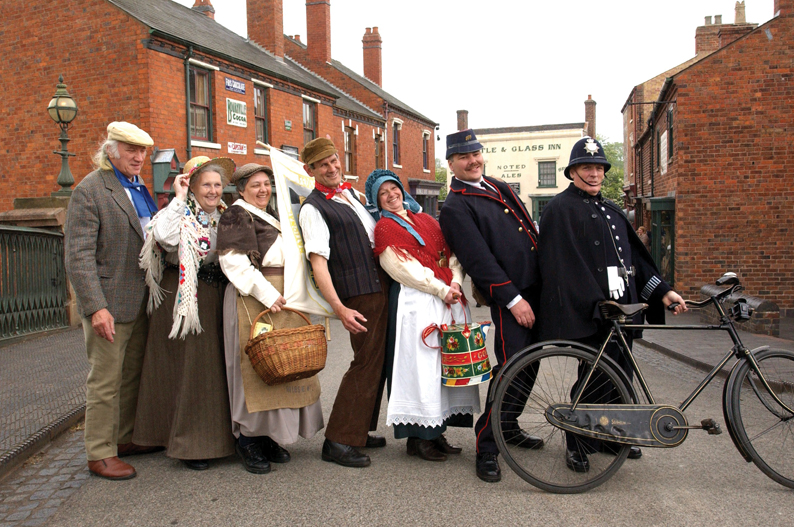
[(285, 355)]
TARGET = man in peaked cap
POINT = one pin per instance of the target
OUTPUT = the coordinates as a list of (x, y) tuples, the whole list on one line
[(590, 254), (339, 234), (103, 238), (494, 237)]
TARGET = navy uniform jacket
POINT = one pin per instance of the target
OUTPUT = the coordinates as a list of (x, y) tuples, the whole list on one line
[(581, 235), (494, 238)]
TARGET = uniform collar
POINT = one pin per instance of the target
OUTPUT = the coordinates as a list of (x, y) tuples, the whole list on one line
[(584, 194)]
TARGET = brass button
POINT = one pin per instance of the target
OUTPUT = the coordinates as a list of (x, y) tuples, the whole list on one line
[(532, 248), (507, 211), (521, 229)]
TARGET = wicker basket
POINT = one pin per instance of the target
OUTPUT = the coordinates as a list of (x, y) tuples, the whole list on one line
[(285, 355)]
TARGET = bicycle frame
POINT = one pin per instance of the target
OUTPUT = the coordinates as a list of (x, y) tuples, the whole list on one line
[(726, 324)]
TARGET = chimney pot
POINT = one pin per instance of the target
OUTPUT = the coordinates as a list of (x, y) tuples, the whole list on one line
[(205, 8), (463, 120), (373, 65), (718, 19), (708, 20), (740, 17)]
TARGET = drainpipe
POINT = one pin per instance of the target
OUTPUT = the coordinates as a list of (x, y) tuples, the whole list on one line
[(188, 148), (652, 126), (386, 143)]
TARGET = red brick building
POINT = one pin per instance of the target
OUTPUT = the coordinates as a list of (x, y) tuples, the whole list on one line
[(195, 86), (707, 162)]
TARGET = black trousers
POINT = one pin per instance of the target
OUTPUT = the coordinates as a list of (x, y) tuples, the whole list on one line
[(509, 338), (600, 389)]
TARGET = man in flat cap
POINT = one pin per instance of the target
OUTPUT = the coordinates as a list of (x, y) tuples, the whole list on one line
[(103, 236), (339, 235), (590, 254), (492, 234)]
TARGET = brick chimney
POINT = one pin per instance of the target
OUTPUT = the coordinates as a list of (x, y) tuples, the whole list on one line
[(205, 8), (372, 56), (783, 8), (318, 30), (707, 37), (266, 24), (463, 120), (590, 116)]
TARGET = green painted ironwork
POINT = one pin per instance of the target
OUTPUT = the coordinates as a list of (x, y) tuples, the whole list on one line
[(33, 286)]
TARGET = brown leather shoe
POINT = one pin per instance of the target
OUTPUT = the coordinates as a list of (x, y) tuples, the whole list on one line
[(131, 449), (443, 446), (111, 468), (425, 449)]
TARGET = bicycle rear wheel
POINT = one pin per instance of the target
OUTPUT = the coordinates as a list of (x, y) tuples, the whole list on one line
[(555, 371), (763, 427)]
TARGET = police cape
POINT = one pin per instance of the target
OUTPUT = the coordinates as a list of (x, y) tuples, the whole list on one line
[(580, 236)]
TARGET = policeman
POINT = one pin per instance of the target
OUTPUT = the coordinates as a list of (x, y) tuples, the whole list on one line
[(590, 254), (493, 236)]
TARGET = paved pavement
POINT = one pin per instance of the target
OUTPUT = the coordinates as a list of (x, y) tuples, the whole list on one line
[(43, 379)]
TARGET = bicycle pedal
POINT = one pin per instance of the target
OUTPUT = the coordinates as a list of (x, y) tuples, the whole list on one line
[(711, 426)]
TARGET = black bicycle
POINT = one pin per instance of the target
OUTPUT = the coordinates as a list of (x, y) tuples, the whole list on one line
[(620, 410)]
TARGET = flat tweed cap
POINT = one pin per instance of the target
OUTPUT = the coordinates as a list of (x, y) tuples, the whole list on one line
[(250, 169), (317, 149), (128, 133)]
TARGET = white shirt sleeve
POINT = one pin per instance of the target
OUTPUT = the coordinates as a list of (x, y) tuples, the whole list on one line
[(413, 274), (166, 229), (515, 301), (316, 237), (458, 274), (250, 282)]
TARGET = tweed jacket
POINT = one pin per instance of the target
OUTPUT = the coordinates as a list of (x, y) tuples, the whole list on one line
[(103, 238)]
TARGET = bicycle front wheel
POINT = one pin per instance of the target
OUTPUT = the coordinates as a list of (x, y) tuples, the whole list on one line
[(764, 428), (524, 392)]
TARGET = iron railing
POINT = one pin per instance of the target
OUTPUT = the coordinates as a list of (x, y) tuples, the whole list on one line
[(33, 286)]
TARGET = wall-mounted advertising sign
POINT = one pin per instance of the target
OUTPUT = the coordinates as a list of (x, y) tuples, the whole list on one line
[(235, 86), (236, 113), (238, 148)]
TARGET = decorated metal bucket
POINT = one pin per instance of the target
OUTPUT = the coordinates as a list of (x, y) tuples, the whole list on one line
[(464, 359)]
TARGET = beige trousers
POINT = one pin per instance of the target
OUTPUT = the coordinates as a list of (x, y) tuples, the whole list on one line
[(111, 392)]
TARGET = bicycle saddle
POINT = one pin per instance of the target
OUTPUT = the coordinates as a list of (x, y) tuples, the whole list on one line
[(611, 310)]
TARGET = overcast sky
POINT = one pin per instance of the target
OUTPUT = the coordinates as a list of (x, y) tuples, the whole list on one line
[(512, 62)]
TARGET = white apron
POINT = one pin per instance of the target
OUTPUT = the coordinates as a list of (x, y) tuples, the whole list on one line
[(417, 395)]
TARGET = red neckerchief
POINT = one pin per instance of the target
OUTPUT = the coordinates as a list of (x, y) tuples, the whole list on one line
[(331, 192)]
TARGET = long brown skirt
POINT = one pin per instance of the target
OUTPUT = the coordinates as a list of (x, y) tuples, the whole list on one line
[(183, 402)]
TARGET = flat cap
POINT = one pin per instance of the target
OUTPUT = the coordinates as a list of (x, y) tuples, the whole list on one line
[(317, 149), (248, 170), (128, 133)]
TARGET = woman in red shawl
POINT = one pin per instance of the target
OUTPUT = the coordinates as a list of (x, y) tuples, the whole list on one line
[(427, 276)]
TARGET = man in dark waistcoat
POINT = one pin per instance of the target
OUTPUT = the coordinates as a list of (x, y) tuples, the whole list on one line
[(493, 236), (590, 254), (339, 235)]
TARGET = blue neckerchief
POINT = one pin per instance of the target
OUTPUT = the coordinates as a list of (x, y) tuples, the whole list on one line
[(405, 224), (141, 199)]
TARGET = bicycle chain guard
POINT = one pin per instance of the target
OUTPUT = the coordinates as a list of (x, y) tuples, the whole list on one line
[(631, 424)]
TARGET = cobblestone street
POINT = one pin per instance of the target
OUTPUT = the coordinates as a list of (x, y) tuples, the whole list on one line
[(32, 493)]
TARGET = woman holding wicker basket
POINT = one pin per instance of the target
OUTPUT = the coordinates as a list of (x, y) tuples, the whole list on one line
[(182, 402), (252, 258)]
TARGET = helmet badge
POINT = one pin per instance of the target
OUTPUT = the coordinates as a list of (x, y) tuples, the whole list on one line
[(591, 147)]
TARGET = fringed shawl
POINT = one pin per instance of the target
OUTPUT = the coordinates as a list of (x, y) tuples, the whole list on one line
[(390, 233)]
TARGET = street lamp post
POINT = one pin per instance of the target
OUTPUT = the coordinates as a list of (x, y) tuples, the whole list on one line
[(63, 110)]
